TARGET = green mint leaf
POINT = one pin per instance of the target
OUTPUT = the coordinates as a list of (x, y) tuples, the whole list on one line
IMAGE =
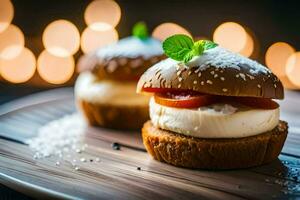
[(188, 56), (208, 44), (140, 30), (178, 46), (183, 48), (198, 48)]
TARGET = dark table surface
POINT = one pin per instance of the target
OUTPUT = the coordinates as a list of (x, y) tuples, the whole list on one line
[(9, 93)]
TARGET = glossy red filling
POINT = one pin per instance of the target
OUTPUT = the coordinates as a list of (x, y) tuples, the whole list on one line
[(192, 99)]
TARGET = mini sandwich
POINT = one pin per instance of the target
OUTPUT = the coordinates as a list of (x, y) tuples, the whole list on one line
[(211, 108), (106, 93)]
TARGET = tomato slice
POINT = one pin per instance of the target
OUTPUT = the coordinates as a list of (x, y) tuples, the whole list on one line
[(190, 99), (184, 100), (262, 103)]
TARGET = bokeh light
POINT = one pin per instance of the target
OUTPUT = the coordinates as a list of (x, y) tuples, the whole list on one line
[(19, 69), (165, 30), (61, 38), (287, 83), (100, 14), (249, 47), (92, 39), (232, 36), (6, 14), (293, 68), (277, 56), (11, 42), (55, 69)]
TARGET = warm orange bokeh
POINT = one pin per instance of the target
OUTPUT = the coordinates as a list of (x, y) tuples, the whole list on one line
[(19, 69), (101, 13), (232, 36), (249, 47), (11, 42), (54, 69), (277, 56), (91, 39), (6, 14), (165, 30), (61, 38), (293, 68)]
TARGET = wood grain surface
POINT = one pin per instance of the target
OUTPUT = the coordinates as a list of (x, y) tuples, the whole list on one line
[(129, 173)]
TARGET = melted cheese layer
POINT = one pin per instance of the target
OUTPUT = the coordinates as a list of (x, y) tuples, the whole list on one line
[(90, 89), (215, 121)]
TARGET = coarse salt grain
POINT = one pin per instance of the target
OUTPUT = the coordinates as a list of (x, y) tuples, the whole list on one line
[(56, 135)]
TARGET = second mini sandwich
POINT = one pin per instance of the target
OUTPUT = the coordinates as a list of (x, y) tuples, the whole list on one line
[(106, 92)]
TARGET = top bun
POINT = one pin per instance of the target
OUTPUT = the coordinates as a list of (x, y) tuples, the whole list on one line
[(127, 58), (218, 72)]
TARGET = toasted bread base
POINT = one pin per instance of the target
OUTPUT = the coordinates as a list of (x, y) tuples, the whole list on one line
[(234, 153), (114, 116)]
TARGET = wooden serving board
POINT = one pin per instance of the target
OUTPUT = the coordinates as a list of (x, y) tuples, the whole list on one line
[(129, 173)]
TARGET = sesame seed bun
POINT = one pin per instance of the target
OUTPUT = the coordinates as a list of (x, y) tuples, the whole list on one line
[(125, 60), (231, 153), (217, 72)]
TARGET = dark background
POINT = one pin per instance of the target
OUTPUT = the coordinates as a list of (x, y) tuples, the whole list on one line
[(270, 21)]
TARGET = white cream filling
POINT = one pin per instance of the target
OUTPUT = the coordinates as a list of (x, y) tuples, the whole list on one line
[(215, 121), (90, 89)]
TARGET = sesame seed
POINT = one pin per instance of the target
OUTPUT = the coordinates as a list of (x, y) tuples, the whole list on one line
[(138, 168), (216, 75), (212, 72), (237, 75), (197, 70), (275, 86), (178, 73), (224, 90), (136, 63), (222, 78), (179, 85), (123, 61), (180, 79), (258, 85), (243, 76), (252, 77), (195, 82), (82, 159), (97, 159), (209, 82), (189, 73), (202, 82), (112, 66), (196, 128), (199, 74)]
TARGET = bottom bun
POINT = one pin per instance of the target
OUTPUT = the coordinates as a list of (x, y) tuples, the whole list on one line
[(114, 116), (191, 152)]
